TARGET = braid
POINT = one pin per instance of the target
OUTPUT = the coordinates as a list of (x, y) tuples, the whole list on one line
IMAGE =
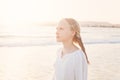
[(80, 43), (77, 38)]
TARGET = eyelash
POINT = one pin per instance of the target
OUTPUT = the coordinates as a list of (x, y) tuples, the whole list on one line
[(61, 28)]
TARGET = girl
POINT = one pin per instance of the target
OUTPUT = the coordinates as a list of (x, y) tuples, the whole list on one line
[(71, 62)]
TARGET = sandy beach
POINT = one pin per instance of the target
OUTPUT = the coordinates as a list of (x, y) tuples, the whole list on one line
[(36, 62), (31, 55), (28, 36)]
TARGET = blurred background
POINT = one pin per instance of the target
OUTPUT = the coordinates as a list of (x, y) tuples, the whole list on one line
[(27, 37)]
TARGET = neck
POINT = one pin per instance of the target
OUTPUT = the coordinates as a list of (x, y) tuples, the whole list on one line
[(68, 47)]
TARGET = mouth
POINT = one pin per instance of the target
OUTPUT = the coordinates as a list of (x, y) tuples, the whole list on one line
[(57, 36)]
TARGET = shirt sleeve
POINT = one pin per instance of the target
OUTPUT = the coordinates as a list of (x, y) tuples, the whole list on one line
[(80, 67), (57, 55), (53, 77)]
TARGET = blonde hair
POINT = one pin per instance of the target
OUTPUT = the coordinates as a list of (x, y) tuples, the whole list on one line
[(77, 38)]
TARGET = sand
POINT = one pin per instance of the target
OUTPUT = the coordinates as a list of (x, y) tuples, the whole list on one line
[(36, 62)]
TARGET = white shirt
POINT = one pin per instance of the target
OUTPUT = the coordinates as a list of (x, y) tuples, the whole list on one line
[(72, 66)]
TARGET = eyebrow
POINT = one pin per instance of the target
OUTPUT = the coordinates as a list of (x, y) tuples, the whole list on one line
[(58, 27)]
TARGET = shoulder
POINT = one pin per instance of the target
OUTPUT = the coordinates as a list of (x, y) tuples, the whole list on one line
[(79, 55)]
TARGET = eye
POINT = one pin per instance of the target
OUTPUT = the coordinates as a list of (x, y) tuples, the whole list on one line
[(61, 28)]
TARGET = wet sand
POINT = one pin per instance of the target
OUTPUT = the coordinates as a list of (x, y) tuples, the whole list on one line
[(36, 62)]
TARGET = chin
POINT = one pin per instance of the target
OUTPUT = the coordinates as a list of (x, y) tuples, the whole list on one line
[(58, 40)]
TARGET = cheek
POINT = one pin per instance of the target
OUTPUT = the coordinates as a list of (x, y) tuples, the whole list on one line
[(66, 35)]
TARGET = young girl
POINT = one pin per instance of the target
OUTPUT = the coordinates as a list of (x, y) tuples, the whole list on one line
[(71, 62)]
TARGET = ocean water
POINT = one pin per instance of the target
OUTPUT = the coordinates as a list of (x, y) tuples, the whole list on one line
[(36, 35), (29, 53)]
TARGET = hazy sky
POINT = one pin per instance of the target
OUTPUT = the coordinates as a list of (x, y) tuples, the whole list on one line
[(16, 11)]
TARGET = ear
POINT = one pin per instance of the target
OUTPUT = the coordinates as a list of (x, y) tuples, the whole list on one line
[(73, 33)]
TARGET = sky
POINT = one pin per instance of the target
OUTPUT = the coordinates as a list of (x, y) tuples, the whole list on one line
[(27, 11)]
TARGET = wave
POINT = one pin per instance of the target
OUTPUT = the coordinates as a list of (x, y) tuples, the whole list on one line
[(52, 43)]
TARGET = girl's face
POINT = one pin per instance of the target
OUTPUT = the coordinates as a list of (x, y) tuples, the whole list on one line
[(64, 32)]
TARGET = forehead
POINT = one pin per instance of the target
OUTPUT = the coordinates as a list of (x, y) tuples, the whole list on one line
[(63, 23)]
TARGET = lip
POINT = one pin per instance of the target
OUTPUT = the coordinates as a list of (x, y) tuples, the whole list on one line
[(57, 36)]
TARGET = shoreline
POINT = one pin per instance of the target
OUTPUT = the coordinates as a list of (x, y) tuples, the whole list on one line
[(36, 62), (99, 24)]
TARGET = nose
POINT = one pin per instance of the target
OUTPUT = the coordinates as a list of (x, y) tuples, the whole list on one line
[(56, 32)]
